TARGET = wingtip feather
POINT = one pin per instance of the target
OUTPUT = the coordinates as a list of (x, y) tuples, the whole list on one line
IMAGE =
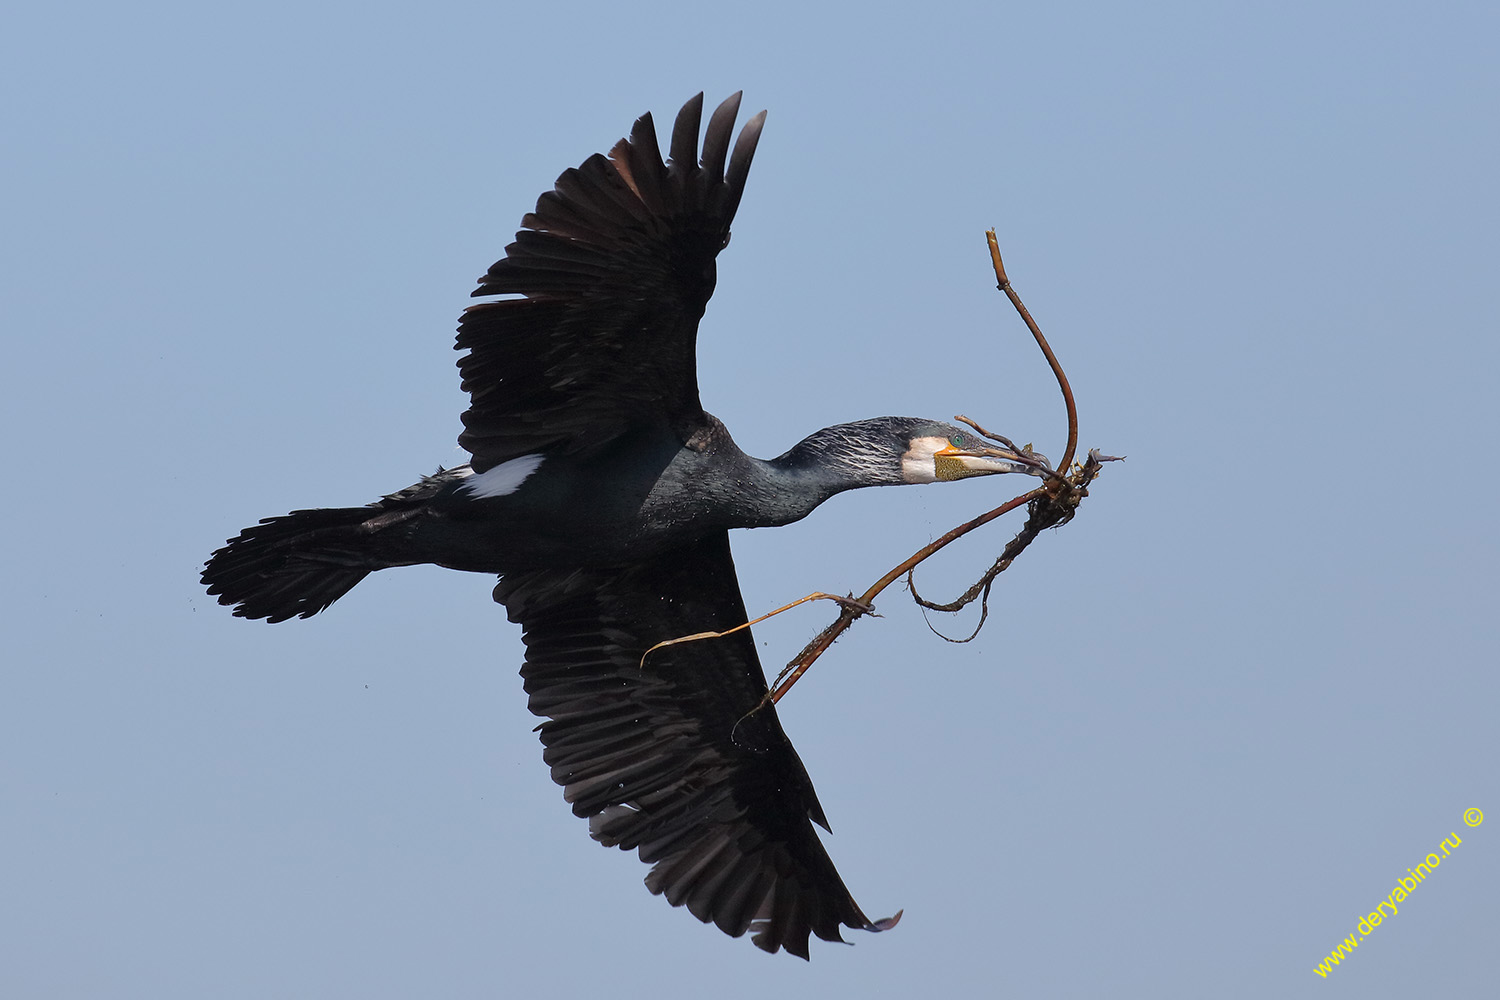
[(740, 159), (716, 139), (684, 147)]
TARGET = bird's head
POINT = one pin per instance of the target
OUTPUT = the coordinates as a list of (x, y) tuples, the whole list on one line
[(892, 451), (938, 452)]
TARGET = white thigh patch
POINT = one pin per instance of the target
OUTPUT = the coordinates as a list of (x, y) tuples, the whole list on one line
[(504, 479)]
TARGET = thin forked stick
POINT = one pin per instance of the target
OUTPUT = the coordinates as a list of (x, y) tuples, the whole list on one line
[(1025, 456), (795, 669), (862, 608)]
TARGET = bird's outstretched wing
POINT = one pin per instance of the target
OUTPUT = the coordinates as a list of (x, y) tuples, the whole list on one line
[(615, 265), (663, 757)]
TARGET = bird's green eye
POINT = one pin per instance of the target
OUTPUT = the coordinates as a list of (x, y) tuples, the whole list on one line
[(956, 440)]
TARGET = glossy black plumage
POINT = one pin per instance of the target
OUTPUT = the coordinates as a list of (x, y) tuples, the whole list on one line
[(719, 802), (602, 493), (616, 265)]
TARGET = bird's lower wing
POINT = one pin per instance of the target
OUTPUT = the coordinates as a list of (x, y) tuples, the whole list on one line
[(666, 757)]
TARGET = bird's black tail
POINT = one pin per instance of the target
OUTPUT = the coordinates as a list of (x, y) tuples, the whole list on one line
[(299, 563)]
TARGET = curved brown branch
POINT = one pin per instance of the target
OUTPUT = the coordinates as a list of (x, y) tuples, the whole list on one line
[(1062, 379)]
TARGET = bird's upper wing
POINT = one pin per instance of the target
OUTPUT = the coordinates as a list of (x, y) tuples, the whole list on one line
[(615, 265), (665, 757)]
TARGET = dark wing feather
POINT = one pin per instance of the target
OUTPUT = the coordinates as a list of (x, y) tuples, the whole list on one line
[(615, 265), (664, 758)]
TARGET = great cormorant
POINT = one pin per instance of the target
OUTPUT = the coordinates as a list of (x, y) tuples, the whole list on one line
[(602, 494)]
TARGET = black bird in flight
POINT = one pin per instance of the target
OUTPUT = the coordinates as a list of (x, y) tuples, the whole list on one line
[(602, 495)]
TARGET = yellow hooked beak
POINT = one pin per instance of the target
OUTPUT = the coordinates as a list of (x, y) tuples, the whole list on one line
[(952, 462)]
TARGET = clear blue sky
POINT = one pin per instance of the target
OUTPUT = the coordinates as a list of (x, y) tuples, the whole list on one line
[(1210, 723)]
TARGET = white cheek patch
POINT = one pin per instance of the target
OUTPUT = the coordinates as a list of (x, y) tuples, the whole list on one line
[(918, 465), (504, 479)]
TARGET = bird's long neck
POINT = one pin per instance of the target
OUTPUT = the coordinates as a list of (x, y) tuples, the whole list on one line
[(832, 460)]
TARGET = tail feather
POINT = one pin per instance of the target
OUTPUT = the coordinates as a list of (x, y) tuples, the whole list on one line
[(298, 564)]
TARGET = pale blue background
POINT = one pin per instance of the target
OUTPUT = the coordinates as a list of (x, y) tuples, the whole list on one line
[(1211, 721)]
